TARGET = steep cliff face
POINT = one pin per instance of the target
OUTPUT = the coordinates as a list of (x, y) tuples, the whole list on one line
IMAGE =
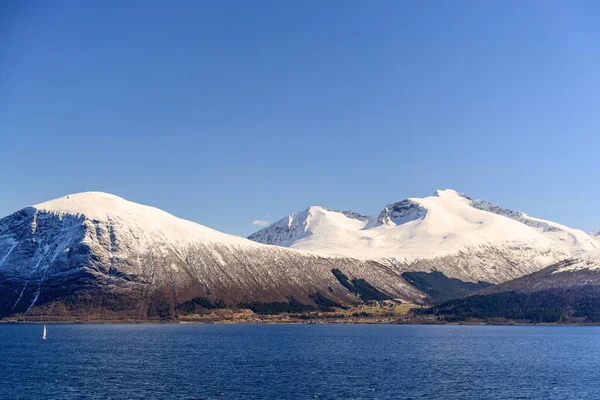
[(471, 240), (94, 250), (401, 212)]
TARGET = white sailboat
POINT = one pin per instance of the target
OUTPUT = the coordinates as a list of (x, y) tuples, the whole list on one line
[(44, 335)]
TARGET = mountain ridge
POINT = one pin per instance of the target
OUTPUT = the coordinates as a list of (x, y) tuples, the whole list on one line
[(448, 232)]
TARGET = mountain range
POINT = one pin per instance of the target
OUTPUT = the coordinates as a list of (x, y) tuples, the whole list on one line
[(97, 254), (466, 239)]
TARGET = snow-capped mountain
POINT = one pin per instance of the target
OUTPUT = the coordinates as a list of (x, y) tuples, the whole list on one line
[(99, 251), (447, 232)]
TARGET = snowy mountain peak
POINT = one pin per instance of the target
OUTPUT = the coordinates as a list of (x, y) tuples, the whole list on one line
[(316, 210), (451, 194), (96, 205), (587, 261), (118, 212), (304, 223), (310, 212), (411, 209)]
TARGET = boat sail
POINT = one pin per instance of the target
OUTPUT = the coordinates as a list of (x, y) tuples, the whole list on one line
[(44, 335)]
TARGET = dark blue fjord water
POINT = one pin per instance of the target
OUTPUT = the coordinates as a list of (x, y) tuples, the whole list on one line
[(299, 362)]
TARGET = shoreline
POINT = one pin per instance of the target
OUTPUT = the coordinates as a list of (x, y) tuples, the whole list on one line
[(373, 313), (289, 322)]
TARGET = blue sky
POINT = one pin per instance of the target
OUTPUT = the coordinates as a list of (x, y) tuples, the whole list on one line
[(234, 111)]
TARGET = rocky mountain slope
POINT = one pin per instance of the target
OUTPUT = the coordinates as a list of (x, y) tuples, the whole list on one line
[(579, 271), (447, 232), (95, 252), (568, 291)]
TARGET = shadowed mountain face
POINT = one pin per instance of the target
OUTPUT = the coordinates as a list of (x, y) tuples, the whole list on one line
[(94, 252), (566, 291), (441, 288)]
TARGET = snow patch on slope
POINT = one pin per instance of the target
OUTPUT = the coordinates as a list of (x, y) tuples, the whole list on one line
[(588, 261), (562, 235)]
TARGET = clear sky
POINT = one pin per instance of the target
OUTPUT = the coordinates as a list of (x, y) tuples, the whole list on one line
[(226, 112)]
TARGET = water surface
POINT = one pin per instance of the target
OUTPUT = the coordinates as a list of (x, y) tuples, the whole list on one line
[(298, 362)]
